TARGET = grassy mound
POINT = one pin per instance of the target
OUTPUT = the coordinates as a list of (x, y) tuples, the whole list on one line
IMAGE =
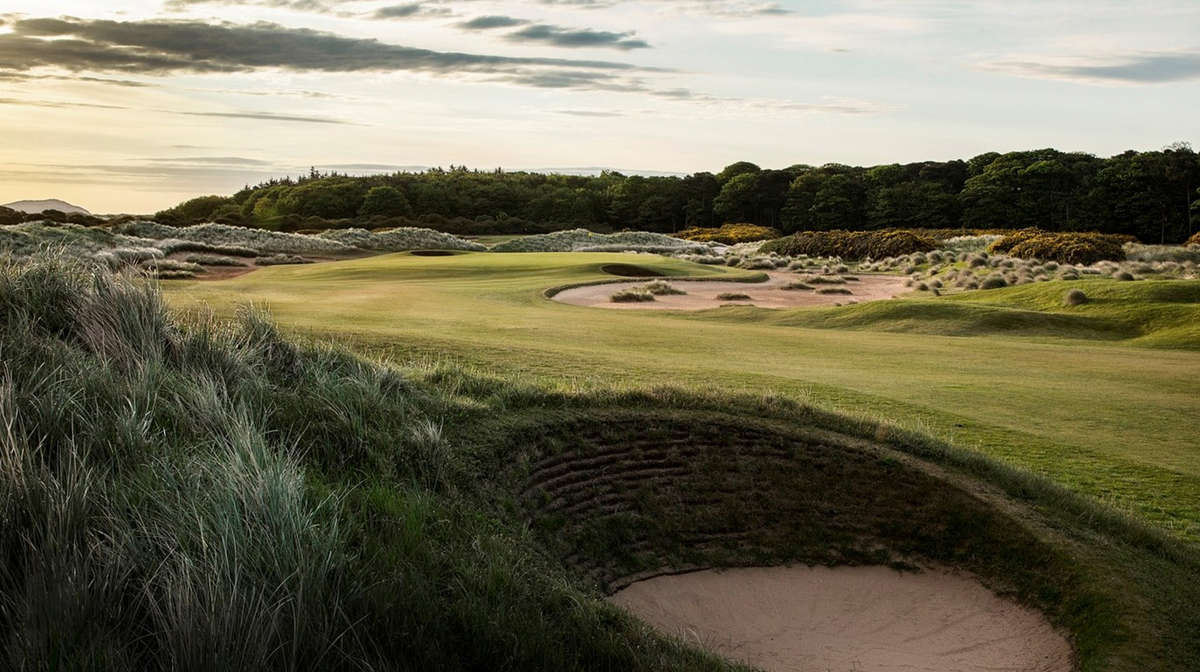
[(1065, 248), (729, 234), (850, 245), (630, 271), (209, 495)]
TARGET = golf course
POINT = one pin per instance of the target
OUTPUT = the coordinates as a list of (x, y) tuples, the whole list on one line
[(1100, 398)]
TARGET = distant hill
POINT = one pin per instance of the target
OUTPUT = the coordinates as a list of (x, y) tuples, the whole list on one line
[(35, 207)]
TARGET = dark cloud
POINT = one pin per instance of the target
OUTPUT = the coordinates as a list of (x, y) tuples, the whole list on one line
[(266, 116), (492, 21), (410, 10), (570, 37), (162, 47), (1143, 68)]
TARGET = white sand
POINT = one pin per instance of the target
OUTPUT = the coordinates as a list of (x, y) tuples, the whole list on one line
[(860, 619), (702, 294)]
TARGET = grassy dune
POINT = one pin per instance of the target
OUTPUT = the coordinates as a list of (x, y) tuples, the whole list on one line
[(1058, 391)]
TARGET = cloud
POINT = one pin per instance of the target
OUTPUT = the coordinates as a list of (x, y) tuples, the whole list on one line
[(410, 10), (722, 8), (569, 37), (214, 160), (492, 21), (163, 47), (57, 104), (590, 113), (266, 116), (1151, 67)]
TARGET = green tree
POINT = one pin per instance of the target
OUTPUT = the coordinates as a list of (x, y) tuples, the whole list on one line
[(386, 201)]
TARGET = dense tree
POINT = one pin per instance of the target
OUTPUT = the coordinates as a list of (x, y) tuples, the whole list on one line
[(1153, 195), (386, 201)]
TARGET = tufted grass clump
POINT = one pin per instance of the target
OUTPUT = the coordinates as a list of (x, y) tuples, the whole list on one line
[(824, 280), (993, 282), (733, 296), (1074, 297), (661, 288), (797, 286), (834, 290), (634, 295)]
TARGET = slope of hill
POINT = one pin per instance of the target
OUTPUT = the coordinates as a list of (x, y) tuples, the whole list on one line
[(47, 204)]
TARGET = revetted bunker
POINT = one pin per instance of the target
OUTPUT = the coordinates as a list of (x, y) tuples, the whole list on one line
[(623, 496)]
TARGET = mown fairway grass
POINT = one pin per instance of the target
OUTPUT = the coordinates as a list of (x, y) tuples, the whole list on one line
[(1070, 395)]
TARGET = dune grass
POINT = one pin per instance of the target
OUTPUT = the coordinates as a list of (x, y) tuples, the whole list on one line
[(1039, 385)]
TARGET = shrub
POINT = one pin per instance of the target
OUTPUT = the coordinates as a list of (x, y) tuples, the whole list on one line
[(1177, 253), (757, 264), (660, 288), (1075, 297), (797, 286), (1066, 248), (1124, 276), (631, 296), (281, 260), (214, 260), (851, 245), (834, 290), (729, 234), (733, 296), (993, 282), (400, 239), (580, 240)]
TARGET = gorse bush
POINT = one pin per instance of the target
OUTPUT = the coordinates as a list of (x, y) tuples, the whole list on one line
[(851, 245), (1066, 248), (729, 234)]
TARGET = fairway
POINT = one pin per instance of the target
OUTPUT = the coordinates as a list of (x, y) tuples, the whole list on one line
[(1107, 419)]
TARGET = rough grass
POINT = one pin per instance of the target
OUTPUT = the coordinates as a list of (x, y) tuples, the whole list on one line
[(733, 296)]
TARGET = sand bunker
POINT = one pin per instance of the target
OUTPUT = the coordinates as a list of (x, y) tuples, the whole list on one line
[(860, 619), (702, 294)]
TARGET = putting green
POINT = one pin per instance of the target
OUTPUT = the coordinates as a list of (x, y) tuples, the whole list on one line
[(1102, 417)]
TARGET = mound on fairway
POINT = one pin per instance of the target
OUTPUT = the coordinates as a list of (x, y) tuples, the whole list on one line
[(630, 271), (849, 618)]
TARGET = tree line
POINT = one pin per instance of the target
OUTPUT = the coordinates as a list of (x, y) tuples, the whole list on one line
[(1152, 195)]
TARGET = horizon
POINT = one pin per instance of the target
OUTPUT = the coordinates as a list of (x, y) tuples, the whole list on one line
[(167, 100)]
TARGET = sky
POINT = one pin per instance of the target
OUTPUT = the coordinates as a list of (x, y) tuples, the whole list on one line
[(136, 106)]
